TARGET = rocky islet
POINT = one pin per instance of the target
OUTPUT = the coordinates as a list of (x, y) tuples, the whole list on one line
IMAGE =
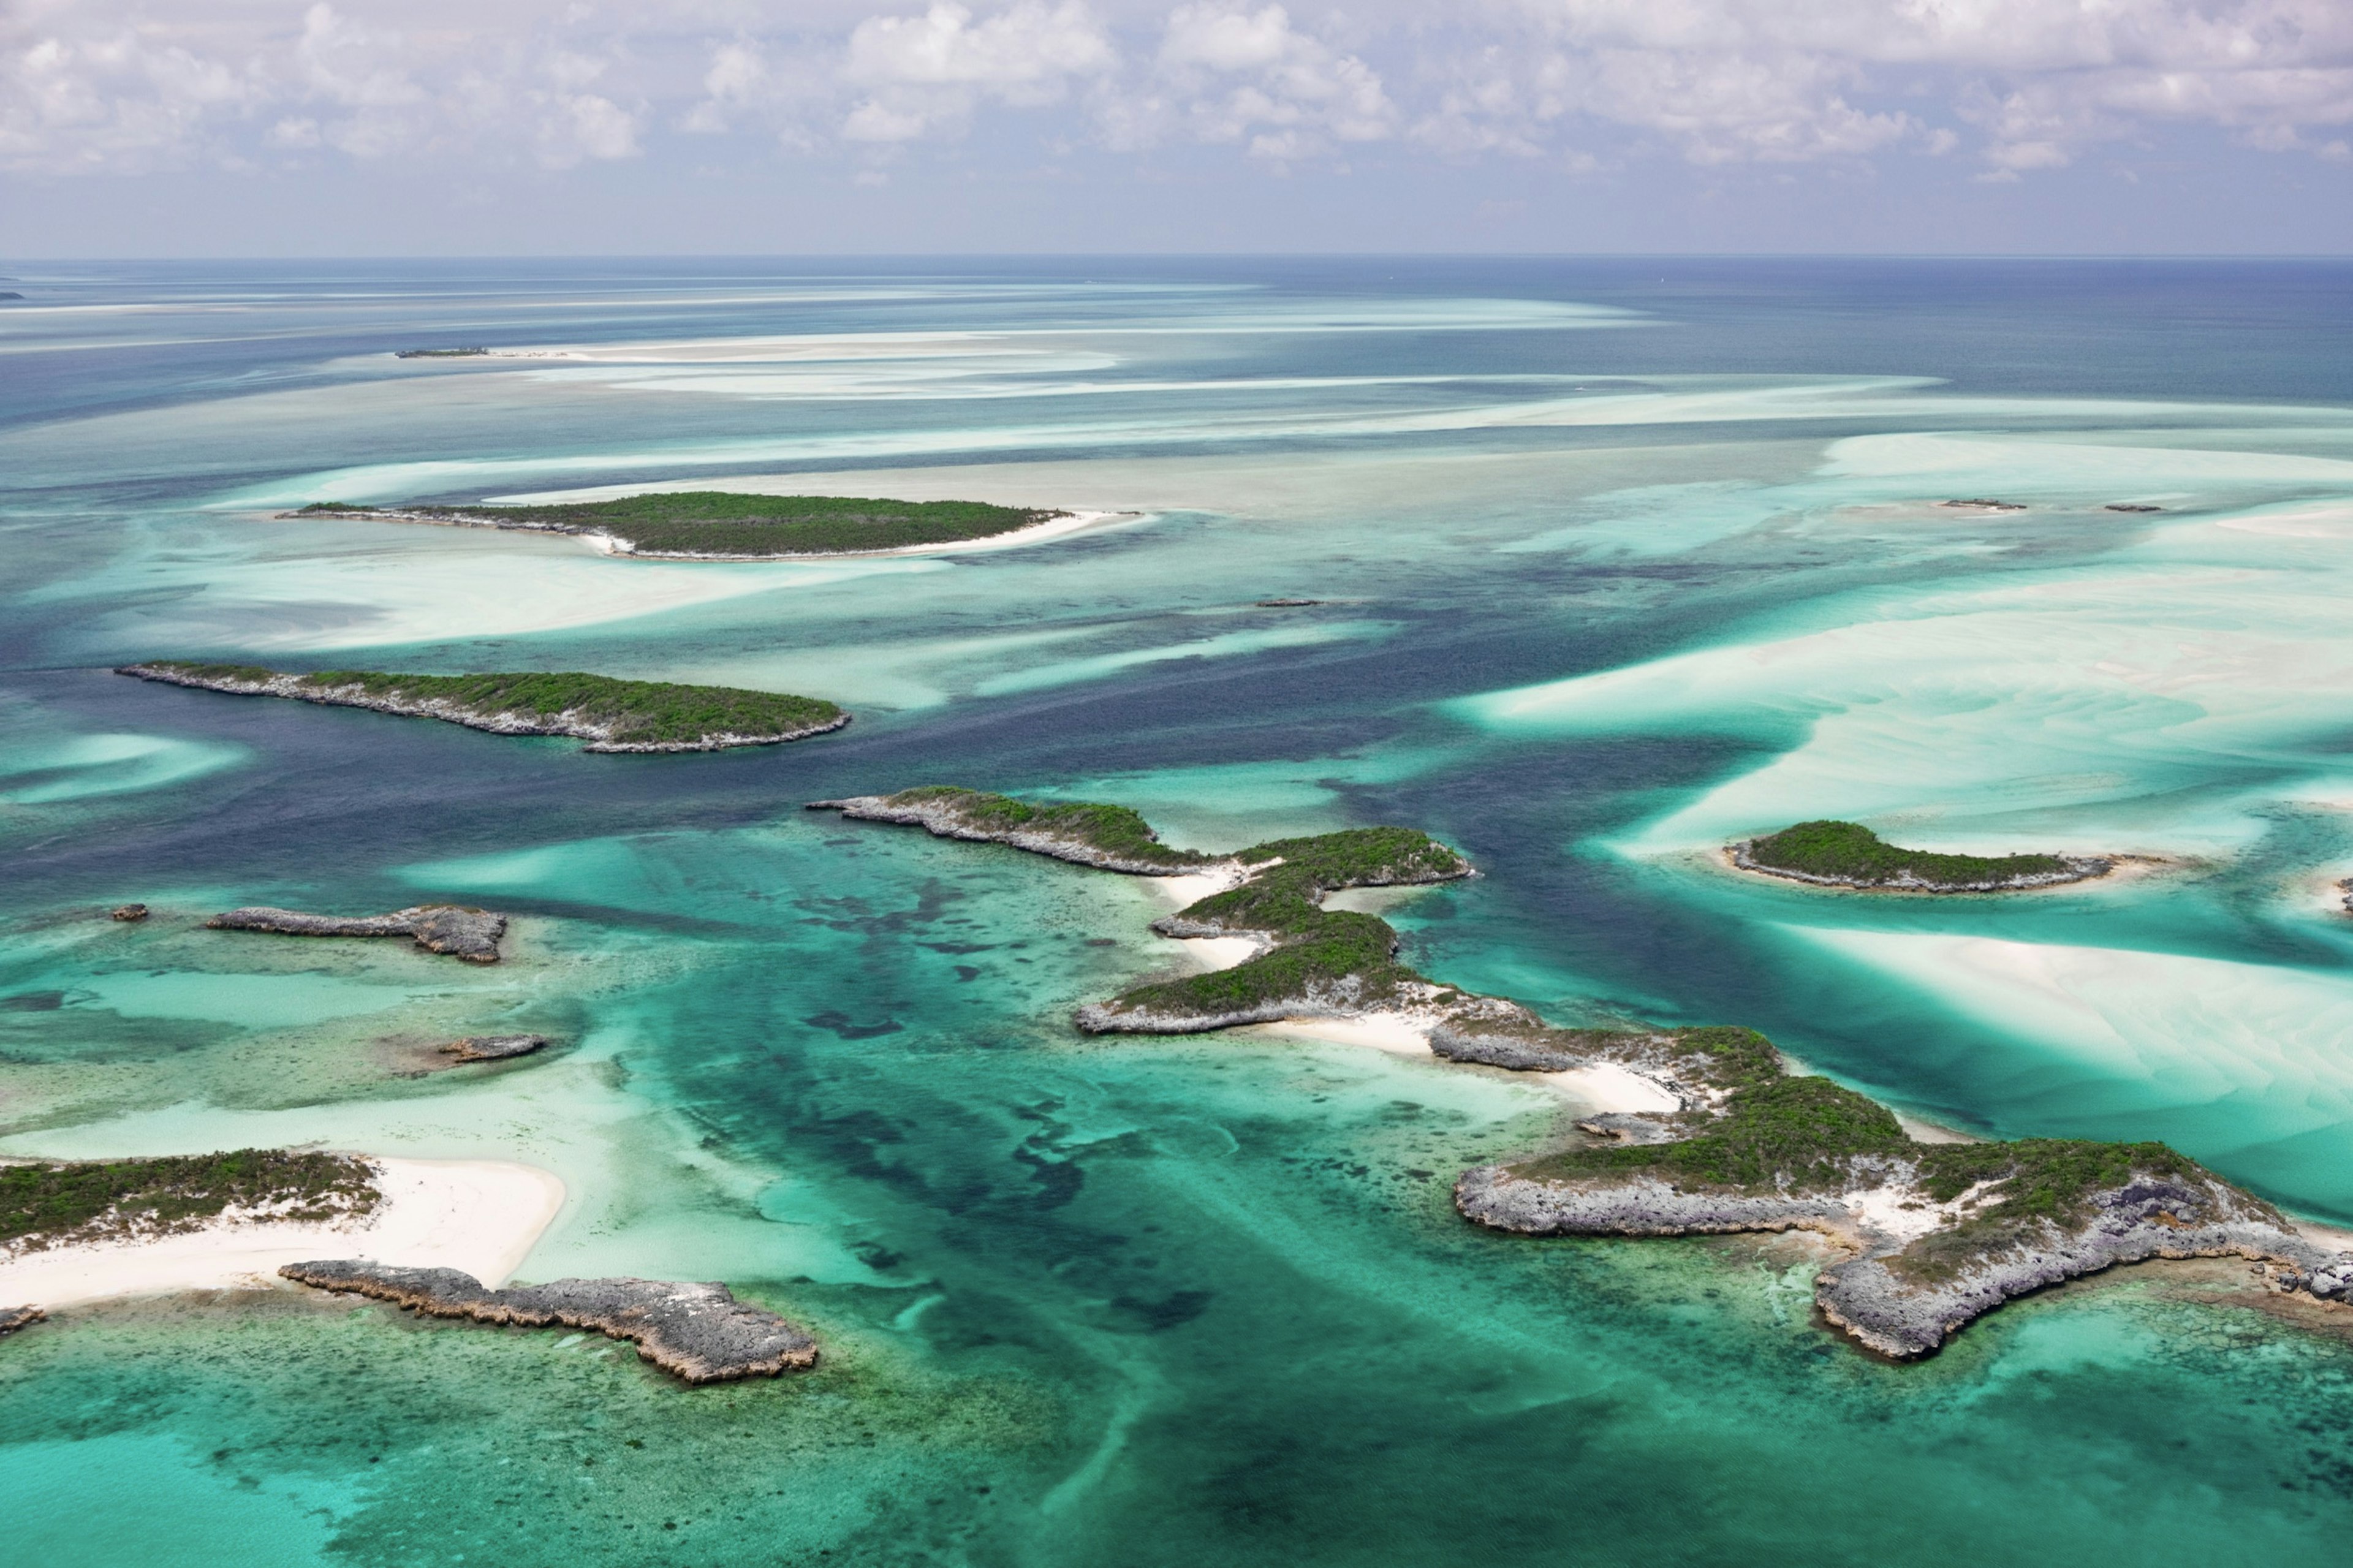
[(696, 1331), (450, 929)]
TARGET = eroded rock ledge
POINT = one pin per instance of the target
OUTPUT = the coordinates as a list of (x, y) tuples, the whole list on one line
[(697, 1332), (471, 934), (1907, 1292), (1941, 1232), (494, 1047), (14, 1318)]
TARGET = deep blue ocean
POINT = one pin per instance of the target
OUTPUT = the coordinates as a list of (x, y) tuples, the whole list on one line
[(1616, 560)]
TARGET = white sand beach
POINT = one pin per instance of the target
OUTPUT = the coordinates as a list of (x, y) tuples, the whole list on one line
[(1193, 886), (479, 1215)]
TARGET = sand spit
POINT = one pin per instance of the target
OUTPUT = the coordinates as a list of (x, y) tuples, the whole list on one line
[(481, 1216), (696, 1331)]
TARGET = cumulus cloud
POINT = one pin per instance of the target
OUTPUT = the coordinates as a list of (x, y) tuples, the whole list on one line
[(925, 72), (2038, 80), (2013, 86), (1226, 73)]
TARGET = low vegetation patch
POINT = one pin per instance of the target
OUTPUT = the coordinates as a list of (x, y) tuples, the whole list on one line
[(53, 1204), (1850, 852), (722, 522)]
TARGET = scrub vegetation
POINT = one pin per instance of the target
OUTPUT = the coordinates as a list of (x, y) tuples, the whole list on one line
[(1313, 951), (48, 1205), (1851, 853), (620, 715)]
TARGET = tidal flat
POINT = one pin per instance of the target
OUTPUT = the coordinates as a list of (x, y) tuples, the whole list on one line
[(1618, 573)]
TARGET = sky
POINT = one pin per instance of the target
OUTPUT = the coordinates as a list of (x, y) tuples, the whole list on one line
[(516, 127)]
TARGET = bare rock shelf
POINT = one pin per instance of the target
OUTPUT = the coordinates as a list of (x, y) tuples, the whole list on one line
[(697, 1332)]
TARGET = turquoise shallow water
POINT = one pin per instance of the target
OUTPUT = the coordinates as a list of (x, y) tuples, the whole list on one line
[(1616, 568)]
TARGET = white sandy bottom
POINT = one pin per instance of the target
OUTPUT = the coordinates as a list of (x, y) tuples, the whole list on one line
[(1395, 1032), (1193, 886), (477, 1216), (1219, 951)]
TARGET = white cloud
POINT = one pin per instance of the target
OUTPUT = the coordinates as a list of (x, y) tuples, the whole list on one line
[(1725, 80), (2016, 87), (928, 72), (1225, 73)]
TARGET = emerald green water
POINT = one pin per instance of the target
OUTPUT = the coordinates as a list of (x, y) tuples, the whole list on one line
[(1606, 590)]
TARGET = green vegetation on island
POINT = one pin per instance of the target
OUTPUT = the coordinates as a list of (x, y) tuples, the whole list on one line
[(614, 715), (1113, 830), (1776, 1134), (1847, 853), (727, 524), (1941, 1232), (46, 1204), (1313, 951)]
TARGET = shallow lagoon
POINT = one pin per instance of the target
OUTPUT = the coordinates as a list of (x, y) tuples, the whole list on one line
[(1606, 588)]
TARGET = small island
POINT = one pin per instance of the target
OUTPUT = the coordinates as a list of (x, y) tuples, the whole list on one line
[(83, 1231), (452, 929), (1847, 854), (723, 525), (696, 1331), (611, 715), (1939, 1234), (1107, 838)]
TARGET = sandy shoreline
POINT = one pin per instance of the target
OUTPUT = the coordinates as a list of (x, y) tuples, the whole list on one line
[(1036, 533), (1602, 1088), (482, 1217), (610, 545)]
